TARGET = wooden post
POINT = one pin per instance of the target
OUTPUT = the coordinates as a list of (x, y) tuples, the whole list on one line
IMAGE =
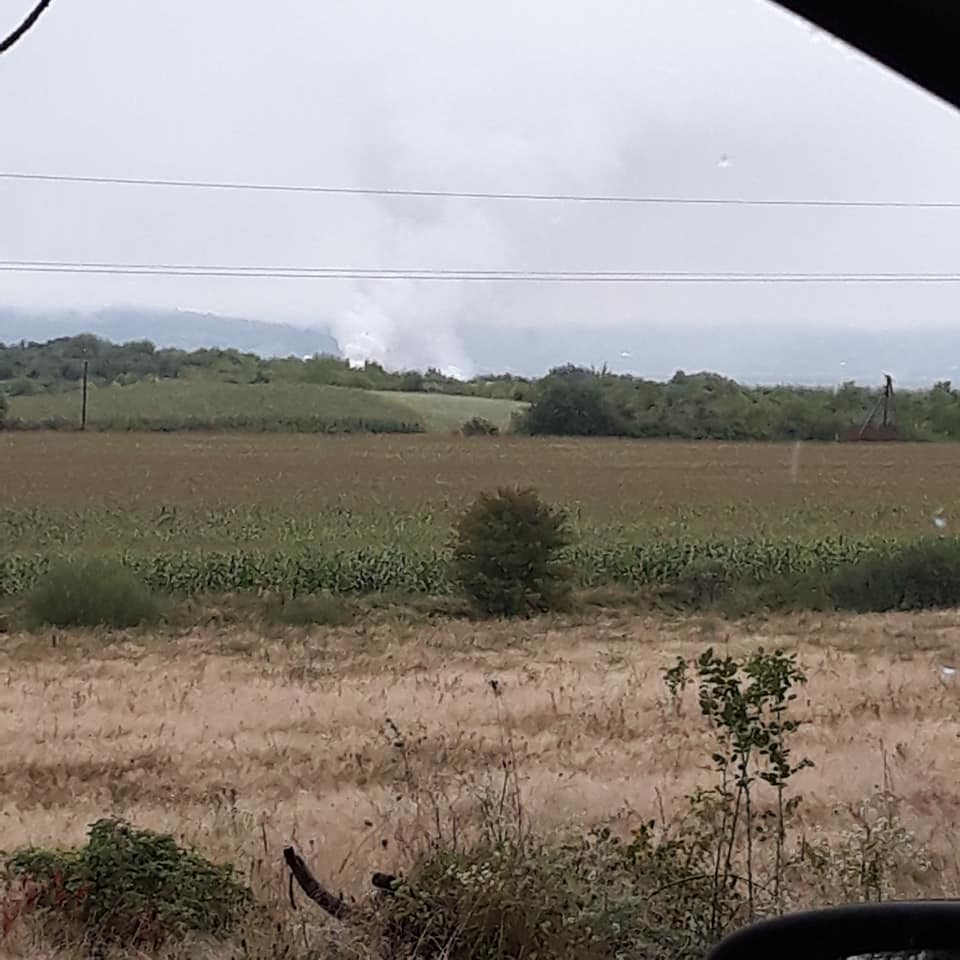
[(83, 408)]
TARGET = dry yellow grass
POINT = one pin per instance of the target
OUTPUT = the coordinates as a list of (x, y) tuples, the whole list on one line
[(231, 741)]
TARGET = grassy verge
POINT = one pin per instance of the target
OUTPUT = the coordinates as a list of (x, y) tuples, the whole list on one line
[(318, 590), (475, 872)]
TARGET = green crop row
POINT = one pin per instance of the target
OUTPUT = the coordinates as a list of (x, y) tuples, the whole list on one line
[(426, 571), (350, 521), (246, 423), (663, 562)]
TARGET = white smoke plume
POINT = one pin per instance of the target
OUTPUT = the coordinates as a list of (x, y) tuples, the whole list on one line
[(661, 98)]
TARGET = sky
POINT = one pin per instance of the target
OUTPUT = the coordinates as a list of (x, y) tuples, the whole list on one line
[(630, 97)]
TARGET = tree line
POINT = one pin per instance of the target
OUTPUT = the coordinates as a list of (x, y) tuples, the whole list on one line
[(31, 367), (568, 401), (573, 401)]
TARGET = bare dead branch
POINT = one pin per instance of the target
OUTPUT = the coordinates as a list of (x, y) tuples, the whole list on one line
[(336, 906), (32, 18)]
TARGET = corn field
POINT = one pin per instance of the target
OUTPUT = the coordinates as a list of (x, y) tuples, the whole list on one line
[(295, 514), (426, 571)]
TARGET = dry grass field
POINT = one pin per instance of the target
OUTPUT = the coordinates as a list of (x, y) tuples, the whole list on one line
[(242, 744)]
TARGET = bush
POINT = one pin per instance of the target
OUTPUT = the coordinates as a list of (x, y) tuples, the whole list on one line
[(787, 592), (91, 593), (866, 585), (479, 427), (708, 584), (318, 609), (665, 891), (923, 575), (507, 554), (572, 405), (3, 408), (502, 897), (700, 584), (23, 387), (129, 887)]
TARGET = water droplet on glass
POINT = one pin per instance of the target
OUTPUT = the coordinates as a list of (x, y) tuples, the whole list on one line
[(724, 160), (795, 461)]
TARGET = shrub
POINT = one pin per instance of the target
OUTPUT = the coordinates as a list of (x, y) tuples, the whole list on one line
[(318, 609), (663, 892), (710, 585), (875, 858), (807, 590), (923, 575), (502, 897), (507, 554), (91, 593), (129, 887), (700, 584), (479, 427), (789, 591), (867, 585), (572, 405), (3, 408), (23, 387)]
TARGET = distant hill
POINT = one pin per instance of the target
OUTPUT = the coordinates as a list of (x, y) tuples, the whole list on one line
[(168, 328), (753, 353)]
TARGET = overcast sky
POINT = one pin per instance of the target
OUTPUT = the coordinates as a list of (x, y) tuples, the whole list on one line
[(732, 98)]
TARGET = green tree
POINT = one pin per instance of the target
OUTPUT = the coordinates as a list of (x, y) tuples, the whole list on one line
[(507, 554), (572, 405)]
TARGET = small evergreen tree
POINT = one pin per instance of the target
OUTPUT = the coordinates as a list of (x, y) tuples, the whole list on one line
[(507, 554)]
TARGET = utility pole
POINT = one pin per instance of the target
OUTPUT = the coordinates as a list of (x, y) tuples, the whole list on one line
[(887, 399), (83, 408)]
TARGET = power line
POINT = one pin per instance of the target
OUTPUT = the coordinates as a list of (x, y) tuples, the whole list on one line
[(452, 275), (484, 195)]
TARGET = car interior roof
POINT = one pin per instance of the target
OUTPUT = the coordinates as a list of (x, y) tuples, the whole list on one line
[(920, 39)]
